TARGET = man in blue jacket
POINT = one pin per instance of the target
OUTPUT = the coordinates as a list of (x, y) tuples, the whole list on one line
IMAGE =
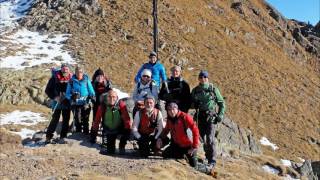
[(79, 93), (157, 69)]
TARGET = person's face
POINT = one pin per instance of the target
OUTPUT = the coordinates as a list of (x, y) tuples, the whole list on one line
[(112, 98), (100, 78), (79, 74), (203, 79), (149, 104), (153, 59), (176, 73), (65, 71), (145, 78), (172, 112)]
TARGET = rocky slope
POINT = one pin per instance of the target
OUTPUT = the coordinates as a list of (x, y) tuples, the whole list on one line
[(266, 66)]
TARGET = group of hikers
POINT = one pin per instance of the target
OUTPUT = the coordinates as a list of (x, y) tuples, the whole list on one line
[(149, 126)]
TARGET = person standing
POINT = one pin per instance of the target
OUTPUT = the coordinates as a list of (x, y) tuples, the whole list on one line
[(210, 108), (157, 69), (80, 92), (179, 90), (56, 90), (101, 84)]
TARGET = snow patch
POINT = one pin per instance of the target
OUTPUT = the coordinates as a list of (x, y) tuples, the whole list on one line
[(21, 48), (270, 169), (286, 162), (190, 68), (264, 141), (121, 94), (25, 133), (26, 118)]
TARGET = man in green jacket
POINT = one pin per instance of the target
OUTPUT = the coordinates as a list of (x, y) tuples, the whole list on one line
[(210, 107)]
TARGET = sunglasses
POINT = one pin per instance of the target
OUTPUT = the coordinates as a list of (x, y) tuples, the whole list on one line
[(146, 76), (201, 77)]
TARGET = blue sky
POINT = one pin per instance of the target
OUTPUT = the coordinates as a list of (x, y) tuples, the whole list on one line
[(302, 10)]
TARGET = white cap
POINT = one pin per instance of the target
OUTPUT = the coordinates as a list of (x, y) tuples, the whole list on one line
[(146, 72)]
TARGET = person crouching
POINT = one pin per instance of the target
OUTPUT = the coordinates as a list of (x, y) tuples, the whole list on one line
[(147, 126), (177, 124), (115, 121)]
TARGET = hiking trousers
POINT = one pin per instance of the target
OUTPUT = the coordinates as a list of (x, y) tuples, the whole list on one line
[(55, 120), (207, 135), (177, 152), (109, 139), (147, 143), (81, 118)]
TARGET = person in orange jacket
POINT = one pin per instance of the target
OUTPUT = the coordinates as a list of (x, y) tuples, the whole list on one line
[(181, 144)]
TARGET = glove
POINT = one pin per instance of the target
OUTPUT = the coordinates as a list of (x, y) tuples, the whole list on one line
[(93, 99), (65, 102), (218, 119)]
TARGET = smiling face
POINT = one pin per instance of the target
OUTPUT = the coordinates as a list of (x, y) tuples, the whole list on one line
[(203, 79), (149, 104), (79, 74), (172, 112), (100, 78), (65, 71), (176, 73), (153, 59), (112, 98)]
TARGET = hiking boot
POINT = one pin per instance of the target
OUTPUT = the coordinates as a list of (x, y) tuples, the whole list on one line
[(48, 141), (103, 150), (62, 141), (122, 151)]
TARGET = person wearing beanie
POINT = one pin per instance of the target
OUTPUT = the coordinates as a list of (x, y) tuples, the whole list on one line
[(157, 69), (210, 108), (79, 93), (145, 87), (181, 144), (56, 91), (178, 90), (101, 84), (147, 126)]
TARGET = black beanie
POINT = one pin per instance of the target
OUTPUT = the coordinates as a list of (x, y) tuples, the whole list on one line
[(99, 72)]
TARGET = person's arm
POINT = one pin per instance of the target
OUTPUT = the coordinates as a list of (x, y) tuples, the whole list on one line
[(138, 76), (220, 102), (135, 126), (195, 131), (159, 124), (155, 92), (68, 91), (163, 74), (124, 115), (135, 93), (90, 88), (97, 120)]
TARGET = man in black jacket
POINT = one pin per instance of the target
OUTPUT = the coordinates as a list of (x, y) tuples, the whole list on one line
[(56, 89), (179, 90)]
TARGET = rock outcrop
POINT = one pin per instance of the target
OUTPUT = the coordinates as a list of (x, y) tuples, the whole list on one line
[(55, 15)]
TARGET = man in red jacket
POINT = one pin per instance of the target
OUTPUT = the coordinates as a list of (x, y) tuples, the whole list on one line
[(177, 124), (115, 121)]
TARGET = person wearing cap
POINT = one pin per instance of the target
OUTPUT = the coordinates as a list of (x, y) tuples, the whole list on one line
[(147, 126), (181, 144), (145, 87), (79, 92), (115, 119), (157, 69), (101, 84), (56, 90), (210, 108), (179, 90)]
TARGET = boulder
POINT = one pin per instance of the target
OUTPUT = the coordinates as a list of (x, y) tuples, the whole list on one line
[(306, 170), (237, 6)]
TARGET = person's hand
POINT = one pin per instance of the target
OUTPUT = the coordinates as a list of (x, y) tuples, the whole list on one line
[(218, 119), (57, 98), (159, 143), (191, 151)]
